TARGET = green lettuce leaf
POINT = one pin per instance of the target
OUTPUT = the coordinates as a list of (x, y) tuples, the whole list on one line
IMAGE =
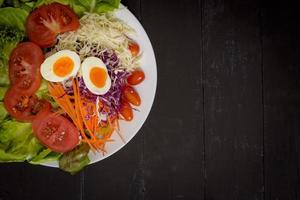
[(75, 160), (81, 6), (9, 38), (46, 2), (13, 17), (43, 93), (43, 90), (4, 80), (45, 156), (5, 50), (28, 6), (96, 6), (3, 112), (2, 92), (17, 142)]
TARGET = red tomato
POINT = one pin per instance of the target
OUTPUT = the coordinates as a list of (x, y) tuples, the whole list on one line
[(134, 48), (24, 107), (131, 95), (44, 23), (56, 132), (136, 77), (126, 111), (24, 67)]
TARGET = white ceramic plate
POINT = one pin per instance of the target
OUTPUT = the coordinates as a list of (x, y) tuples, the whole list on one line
[(146, 89)]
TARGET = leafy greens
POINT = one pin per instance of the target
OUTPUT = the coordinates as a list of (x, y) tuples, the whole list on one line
[(13, 17), (81, 6), (75, 160), (17, 142), (9, 38)]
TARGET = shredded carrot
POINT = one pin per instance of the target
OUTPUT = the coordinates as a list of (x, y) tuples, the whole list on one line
[(79, 108), (62, 99), (89, 124), (78, 111)]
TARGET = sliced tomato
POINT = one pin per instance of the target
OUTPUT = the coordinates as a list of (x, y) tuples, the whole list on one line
[(47, 21), (42, 114), (131, 95), (56, 132), (25, 108), (24, 67)]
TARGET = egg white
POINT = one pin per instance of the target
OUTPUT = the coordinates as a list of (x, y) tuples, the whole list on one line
[(86, 67), (47, 66)]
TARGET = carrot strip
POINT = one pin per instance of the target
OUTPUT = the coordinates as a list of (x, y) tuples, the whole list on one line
[(65, 103), (73, 106), (78, 103), (79, 121)]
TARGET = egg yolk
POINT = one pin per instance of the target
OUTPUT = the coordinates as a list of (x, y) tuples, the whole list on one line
[(98, 76), (63, 66)]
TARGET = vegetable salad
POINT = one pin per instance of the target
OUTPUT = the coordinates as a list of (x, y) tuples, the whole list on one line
[(68, 69)]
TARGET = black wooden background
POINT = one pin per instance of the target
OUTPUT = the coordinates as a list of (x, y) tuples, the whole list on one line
[(226, 119)]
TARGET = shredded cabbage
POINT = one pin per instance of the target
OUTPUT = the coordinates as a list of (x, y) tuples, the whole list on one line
[(112, 99), (97, 33)]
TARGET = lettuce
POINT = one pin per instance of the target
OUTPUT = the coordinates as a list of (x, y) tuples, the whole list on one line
[(75, 160), (12, 31), (42, 2), (45, 156), (3, 112), (13, 17), (96, 6), (2, 92), (81, 6), (17, 142), (43, 93)]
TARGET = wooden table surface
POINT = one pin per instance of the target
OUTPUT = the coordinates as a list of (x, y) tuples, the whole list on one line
[(225, 123)]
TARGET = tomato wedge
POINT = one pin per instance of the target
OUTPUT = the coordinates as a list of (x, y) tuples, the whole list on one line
[(56, 132), (23, 107), (47, 21), (24, 67)]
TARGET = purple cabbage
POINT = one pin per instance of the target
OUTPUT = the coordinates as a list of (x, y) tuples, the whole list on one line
[(112, 99), (110, 59)]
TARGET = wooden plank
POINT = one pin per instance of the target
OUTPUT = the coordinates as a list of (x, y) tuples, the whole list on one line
[(173, 160), (119, 176), (281, 72), (233, 100), (25, 181)]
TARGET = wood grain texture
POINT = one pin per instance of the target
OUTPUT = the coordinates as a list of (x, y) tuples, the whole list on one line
[(117, 177), (25, 181), (174, 131), (233, 101), (225, 124), (281, 70)]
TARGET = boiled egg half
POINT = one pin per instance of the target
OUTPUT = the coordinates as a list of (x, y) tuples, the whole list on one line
[(95, 75), (60, 66)]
